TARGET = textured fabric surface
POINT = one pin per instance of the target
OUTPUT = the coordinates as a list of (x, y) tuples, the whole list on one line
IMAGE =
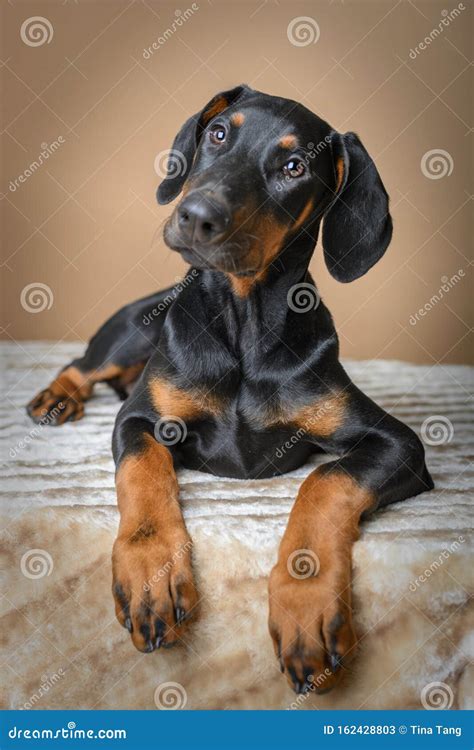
[(61, 644)]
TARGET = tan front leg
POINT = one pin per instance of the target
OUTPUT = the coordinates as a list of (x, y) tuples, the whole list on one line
[(153, 585), (310, 596)]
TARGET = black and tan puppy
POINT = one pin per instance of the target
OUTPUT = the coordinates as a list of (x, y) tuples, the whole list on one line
[(235, 363)]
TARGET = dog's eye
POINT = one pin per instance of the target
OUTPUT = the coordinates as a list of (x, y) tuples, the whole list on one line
[(217, 134), (294, 168)]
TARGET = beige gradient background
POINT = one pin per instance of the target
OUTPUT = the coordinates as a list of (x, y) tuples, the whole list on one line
[(87, 225)]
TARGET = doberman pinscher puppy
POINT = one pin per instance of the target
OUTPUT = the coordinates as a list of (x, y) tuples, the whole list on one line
[(235, 367)]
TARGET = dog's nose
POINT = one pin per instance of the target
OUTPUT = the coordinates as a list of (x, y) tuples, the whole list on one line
[(202, 219)]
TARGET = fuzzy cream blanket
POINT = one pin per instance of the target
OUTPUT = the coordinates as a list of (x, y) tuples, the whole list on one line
[(61, 644)]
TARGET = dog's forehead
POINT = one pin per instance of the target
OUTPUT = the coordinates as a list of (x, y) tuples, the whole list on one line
[(279, 118)]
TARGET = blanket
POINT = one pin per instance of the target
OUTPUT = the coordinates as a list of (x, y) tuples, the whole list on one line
[(412, 566)]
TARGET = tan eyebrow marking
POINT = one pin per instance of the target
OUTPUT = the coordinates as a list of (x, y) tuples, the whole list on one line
[(238, 119), (288, 141)]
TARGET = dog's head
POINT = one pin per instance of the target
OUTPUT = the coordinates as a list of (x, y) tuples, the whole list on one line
[(256, 172)]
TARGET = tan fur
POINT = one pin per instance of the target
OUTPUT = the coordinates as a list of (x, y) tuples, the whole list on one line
[(218, 106), (171, 401), (238, 119), (73, 387), (150, 575), (304, 214), (339, 172), (311, 616), (322, 417), (288, 141)]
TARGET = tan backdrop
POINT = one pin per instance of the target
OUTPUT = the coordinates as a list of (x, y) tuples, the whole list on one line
[(80, 87)]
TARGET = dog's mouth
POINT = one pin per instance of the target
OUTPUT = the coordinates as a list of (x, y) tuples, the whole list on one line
[(228, 253)]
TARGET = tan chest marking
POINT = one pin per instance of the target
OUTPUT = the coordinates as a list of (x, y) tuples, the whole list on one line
[(169, 400), (320, 418)]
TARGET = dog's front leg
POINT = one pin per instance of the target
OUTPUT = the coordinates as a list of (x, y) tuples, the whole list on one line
[(382, 461), (153, 583), (310, 586)]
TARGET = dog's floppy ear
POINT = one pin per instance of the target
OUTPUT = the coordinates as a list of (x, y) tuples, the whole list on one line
[(181, 155), (357, 227)]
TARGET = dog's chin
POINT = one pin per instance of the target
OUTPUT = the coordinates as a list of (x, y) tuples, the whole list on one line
[(218, 258)]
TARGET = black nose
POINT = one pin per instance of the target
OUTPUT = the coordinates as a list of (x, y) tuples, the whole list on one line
[(201, 218)]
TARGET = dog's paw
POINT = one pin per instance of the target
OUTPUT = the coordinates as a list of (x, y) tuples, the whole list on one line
[(311, 627), (54, 406), (62, 401), (154, 591)]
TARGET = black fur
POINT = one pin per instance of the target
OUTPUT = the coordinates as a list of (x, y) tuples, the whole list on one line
[(253, 352)]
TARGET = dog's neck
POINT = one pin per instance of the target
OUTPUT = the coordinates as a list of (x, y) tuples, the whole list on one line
[(263, 301)]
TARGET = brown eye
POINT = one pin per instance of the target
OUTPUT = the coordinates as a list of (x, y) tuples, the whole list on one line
[(217, 134), (294, 168)]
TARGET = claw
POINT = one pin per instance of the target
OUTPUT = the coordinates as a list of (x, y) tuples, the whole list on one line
[(335, 661)]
